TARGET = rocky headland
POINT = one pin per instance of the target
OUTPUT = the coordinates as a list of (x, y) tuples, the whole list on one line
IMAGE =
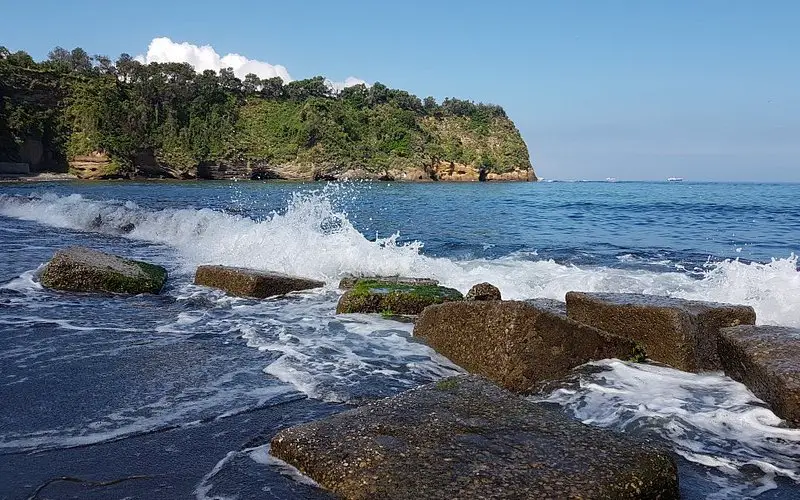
[(101, 120)]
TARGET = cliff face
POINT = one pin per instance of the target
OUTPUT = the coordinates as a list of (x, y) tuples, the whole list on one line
[(165, 120)]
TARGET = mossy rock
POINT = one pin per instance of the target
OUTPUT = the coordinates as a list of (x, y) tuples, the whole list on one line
[(390, 297), (79, 269)]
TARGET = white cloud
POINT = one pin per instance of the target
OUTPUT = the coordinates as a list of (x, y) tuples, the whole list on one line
[(163, 49)]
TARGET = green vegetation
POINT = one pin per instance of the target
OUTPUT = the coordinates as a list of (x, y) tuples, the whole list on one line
[(171, 117), (447, 384)]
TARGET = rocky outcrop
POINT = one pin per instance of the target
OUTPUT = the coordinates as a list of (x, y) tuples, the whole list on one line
[(515, 344), (252, 283), (393, 297), (79, 269), (463, 437), (680, 333), (97, 165), (483, 291), (767, 360)]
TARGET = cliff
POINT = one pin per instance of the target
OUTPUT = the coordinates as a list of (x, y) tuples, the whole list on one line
[(166, 120)]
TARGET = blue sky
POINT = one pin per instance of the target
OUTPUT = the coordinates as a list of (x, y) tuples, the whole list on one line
[(706, 89)]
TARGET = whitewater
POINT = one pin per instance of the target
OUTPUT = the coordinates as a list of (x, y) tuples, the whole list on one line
[(723, 243)]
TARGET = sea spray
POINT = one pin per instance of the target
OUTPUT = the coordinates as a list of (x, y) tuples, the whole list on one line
[(313, 237)]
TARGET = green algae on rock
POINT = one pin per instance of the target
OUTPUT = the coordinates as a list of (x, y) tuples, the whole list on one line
[(464, 437), (394, 297), (80, 269)]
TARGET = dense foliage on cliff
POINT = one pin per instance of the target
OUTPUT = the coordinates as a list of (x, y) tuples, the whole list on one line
[(171, 115)]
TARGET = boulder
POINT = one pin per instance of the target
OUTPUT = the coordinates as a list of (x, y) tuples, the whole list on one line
[(483, 291), (464, 437), (767, 360), (515, 344), (252, 283), (349, 282), (393, 297), (681, 333), (79, 269)]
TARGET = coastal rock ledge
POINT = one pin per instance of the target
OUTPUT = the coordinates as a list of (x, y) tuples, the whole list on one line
[(464, 437), (80, 269), (252, 283), (767, 360)]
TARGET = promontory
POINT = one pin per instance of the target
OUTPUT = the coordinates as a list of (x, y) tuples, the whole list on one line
[(103, 119)]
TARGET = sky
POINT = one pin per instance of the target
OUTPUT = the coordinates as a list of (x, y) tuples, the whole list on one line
[(703, 89)]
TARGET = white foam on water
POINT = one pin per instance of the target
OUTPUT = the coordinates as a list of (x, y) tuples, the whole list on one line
[(330, 357), (312, 238), (710, 420)]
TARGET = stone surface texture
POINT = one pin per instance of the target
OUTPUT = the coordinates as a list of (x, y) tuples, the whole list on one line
[(80, 269), (464, 437), (681, 333), (767, 360), (515, 344), (483, 291), (252, 283)]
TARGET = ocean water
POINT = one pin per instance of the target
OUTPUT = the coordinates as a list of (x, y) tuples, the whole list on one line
[(177, 395)]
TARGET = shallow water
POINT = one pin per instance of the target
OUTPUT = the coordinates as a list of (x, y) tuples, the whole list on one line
[(82, 375)]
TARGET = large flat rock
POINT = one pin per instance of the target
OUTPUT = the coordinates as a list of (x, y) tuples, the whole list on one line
[(80, 269), (243, 282), (515, 344), (394, 296), (681, 333), (767, 360), (464, 437)]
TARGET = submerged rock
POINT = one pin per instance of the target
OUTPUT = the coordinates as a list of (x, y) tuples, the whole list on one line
[(349, 282), (393, 297), (515, 344), (463, 437), (80, 269), (767, 360), (243, 282), (681, 333), (483, 291)]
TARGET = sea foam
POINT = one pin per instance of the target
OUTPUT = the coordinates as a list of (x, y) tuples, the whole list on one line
[(313, 238)]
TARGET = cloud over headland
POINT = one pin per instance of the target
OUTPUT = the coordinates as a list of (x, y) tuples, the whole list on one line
[(203, 57)]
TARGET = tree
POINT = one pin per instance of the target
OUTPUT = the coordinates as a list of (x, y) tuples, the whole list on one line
[(80, 61), (272, 88), (430, 106), (251, 84), (104, 64)]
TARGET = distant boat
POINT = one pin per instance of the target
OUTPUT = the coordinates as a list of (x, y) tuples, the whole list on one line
[(611, 179), (675, 179)]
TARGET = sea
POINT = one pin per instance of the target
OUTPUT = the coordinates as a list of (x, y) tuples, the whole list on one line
[(177, 395)]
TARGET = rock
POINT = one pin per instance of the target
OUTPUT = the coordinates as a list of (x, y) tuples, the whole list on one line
[(767, 360), (551, 305), (243, 282), (393, 297), (463, 437), (348, 282), (79, 269), (678, 332), (515, 344), (483, 291)]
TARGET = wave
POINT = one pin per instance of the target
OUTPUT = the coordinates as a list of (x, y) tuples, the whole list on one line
[(313, 238)]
